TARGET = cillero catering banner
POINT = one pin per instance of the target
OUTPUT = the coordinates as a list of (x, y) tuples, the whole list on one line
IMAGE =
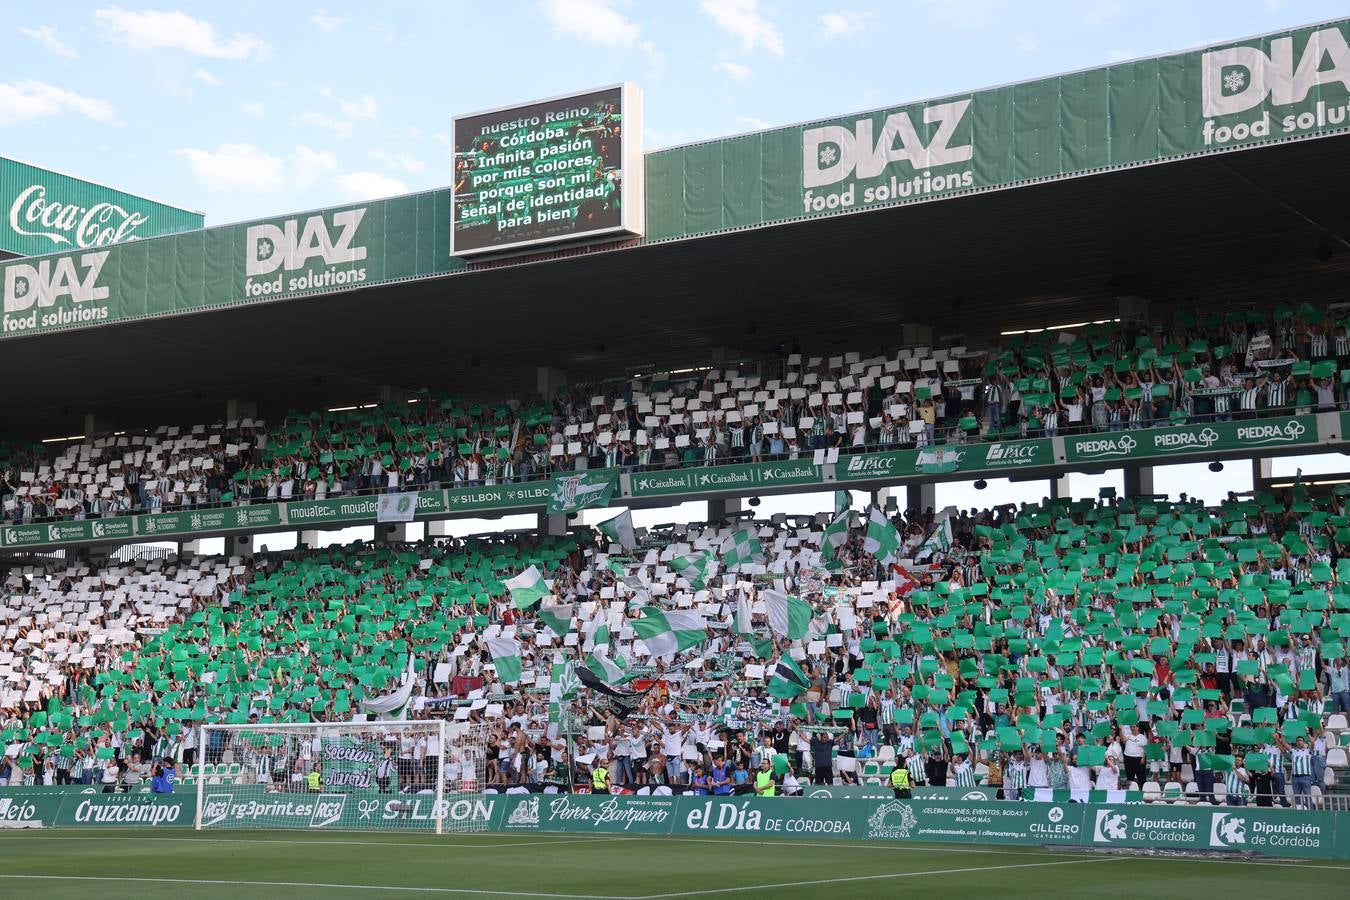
[(559, 170)]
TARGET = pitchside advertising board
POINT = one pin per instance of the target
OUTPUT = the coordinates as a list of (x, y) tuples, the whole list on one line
[(1250, 830), (47, 211), (559, 170)]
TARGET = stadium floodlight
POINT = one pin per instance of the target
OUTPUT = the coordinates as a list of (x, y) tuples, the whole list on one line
[(392, 775)]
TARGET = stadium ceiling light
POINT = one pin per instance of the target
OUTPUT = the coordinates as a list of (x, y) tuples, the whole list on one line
[(1060, 327), (1216, 466), (69, 437), (981, 484), (341, 408)]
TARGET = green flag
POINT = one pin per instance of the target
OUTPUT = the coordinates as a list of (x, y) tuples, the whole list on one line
[(882, 539), (788, 616), (506, 657), (936, 461), (581, 490), (788, 680), (670, 631), (693, 568), (842, 501), (836, 534), (610, 671), (527, 588), (620, 530), (741, 548), (558, 618)]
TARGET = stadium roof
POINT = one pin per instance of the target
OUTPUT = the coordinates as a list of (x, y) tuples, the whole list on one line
[(721, 278)]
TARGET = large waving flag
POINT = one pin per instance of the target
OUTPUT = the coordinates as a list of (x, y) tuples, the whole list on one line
[(506, 657), (835, 536), (610, 671), (527, 588), (741, 548), (558, 618), (788, 616), (666, 632), (882, 539), (940, 541), (620, 530), (788, 681), (693, 568)]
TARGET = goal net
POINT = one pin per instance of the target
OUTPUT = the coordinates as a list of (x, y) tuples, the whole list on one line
[(417, 775)]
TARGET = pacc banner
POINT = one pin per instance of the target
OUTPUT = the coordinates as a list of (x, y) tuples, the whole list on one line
[(983, 458), (46, 211)]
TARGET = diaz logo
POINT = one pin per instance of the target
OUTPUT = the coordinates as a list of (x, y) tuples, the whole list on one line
[(44, 282), (892, 820), (1227, 830), (327, 810), (525, 814), (291, 246), (1110, 826), (832, 153)]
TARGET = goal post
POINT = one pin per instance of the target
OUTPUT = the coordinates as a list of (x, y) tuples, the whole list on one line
[(395, 775)]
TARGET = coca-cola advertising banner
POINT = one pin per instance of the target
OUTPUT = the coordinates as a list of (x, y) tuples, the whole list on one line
[(47, 212)]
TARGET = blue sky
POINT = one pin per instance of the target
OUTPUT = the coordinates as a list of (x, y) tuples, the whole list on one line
[(248, 109)]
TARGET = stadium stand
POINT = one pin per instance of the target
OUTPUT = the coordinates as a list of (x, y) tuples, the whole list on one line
[(1107, 376), (1144, 649)]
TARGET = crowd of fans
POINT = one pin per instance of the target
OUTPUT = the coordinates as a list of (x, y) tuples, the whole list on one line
[(1070, 645), (1106, 376)]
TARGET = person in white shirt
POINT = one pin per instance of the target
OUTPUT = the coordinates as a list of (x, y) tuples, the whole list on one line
[(1108, 775)]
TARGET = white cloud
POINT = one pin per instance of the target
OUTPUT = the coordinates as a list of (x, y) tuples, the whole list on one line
[(398, 161), (596, 21), (236, 167), (364, 107), (154, 29), (244, 167), (842, 23), (1025, 42), (734, 69), (752, 122), (252, 108), (308, 166), (368, 185), (742, 19), (50, 40), (339, 127), (29, 99), (323, 19), (207, 77)]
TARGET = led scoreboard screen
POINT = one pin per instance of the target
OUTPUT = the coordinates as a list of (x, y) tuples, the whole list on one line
[(561, 170)]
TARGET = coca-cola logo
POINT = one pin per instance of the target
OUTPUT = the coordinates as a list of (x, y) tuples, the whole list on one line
[(33, 215)]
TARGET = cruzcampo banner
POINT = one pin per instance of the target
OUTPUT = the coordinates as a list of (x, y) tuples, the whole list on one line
[(46, 211), (47, 808), (1227, 97), (582, 490), (1191, 440), (724, 478), (982, 459)]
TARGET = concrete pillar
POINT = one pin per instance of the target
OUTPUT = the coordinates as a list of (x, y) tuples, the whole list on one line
[(1262, 473), (1059, 487), (189, 548), (391, 532), (720, 507), (552, 525), (920, 497), (916, 334), (236, 410), (1138, 481), (1132, 307), (889, 495), (547, 380), (309, 537), (438, 528), (239, 545), (95, 425), (390, 393)]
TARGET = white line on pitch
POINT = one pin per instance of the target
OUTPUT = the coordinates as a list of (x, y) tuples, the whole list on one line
[(311, 884)]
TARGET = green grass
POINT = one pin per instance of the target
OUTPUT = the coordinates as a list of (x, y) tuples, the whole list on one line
[(62, 863)]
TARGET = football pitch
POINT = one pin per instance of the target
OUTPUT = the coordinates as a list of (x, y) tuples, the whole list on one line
[(60, 863)]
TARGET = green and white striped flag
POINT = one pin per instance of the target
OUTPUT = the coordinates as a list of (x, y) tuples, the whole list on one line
[(527, 588), (506, 657), (666, 632), (742, 548), (693, 568), (843, 500), (620, 530), (788, 616), (788, 681), (558, 618), (882, 539), (612, 672), (835, 536), (940, 541), (600, 637)]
